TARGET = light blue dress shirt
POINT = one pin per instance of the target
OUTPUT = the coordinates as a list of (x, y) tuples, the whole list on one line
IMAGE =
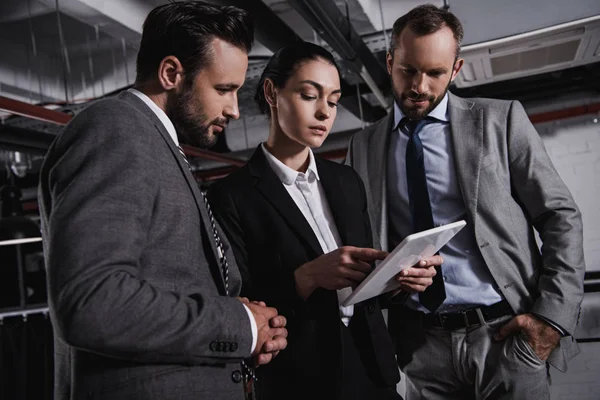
[(467, 279)]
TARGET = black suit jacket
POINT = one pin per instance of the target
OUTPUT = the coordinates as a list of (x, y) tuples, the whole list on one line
[(270, 239)]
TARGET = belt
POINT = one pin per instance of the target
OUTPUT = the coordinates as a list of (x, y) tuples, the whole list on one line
[(467, 318)]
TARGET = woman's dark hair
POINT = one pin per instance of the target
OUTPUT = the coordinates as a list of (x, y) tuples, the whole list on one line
[(424, 20), (185, 30), (284, 63)]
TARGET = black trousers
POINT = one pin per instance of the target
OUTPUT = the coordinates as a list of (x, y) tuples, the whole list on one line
[(355, 381)]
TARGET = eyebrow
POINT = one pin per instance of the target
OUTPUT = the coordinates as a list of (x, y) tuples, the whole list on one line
[(228, 86), (319, 86), (438, 69), (441, 70)]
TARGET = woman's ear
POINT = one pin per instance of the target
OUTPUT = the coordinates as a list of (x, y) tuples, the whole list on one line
[(270, 92)]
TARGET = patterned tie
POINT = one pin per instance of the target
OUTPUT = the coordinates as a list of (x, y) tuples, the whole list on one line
[(249, 372), (420, 206), (220, 250)]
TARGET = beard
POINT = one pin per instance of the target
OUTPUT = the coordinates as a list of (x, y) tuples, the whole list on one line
[(415, 113), (191, 125)]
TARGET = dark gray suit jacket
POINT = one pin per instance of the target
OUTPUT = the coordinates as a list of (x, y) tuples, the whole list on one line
[(136, 294), (509, 187)]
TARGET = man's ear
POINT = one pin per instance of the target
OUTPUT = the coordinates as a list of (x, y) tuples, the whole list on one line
[(456, 68), (170, 73), (270, 92), (389, 62)]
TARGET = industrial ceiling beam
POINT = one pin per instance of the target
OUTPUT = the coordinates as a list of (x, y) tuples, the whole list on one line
[(24, 138), (33, 111), (329, 22), (274, 33)]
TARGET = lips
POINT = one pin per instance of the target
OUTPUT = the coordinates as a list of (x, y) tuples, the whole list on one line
[(418, 102), (320, 129), (219, 128)]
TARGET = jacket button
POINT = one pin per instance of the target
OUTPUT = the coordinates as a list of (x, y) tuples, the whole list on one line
[(233, 346), (371, 308), (214, 346), (236, 376)]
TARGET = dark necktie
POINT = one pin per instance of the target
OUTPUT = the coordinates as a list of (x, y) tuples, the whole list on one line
[(249, 372), (220, 250), (420, 206)]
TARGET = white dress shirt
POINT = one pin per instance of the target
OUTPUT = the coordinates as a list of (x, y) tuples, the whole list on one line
[(173, 134), (307, 192)]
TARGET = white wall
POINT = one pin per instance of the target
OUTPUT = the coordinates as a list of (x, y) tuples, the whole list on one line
[(574, 147)]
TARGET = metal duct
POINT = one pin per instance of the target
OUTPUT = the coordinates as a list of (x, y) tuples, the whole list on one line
[(274, 33), (326, 18)]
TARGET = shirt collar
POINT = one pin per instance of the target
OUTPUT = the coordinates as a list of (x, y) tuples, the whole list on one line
[(159, 113), (286, 174), (440, 112)]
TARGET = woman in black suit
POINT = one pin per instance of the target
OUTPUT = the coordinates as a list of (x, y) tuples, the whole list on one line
[(300, 232)]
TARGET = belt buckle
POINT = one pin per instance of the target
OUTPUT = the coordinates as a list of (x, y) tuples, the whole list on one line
[(442, 320), (480, 319)]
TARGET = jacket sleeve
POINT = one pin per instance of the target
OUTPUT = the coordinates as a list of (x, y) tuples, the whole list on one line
[(554, 214), (98, 191), (278, 290)]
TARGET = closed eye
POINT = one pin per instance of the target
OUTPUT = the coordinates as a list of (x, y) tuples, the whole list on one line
[(223, 89), (307, 97), (435, 73)]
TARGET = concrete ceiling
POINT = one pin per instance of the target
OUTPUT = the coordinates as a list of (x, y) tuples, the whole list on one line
[(86, 49)]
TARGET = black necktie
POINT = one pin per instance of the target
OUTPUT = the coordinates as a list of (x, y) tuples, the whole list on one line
[(217, 238), (420, 206)]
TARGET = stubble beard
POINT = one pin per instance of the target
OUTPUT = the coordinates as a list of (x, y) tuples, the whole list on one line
[(190, 124), (414, 113)]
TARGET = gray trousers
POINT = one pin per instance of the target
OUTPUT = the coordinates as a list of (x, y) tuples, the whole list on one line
[(469, 364)]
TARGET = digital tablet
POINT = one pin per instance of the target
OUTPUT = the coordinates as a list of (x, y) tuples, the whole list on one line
[(409, 252)]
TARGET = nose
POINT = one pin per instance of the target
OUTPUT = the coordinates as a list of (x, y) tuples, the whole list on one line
[(323, 110), (419, 83), (232, 110)]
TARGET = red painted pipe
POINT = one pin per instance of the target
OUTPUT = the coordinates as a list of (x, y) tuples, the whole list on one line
[(44, 114), (33, 111), (60, 118)]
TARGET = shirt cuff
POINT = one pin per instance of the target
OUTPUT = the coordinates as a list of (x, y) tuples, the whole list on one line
[(552, 324), (253, 327)]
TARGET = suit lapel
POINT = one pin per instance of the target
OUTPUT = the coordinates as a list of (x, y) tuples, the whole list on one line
[(272, 189), (198, 198), (338, 202), (466, 123), (377, 172)]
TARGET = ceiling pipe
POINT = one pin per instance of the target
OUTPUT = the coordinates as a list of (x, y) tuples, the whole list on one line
[(23, 138), (274, 33), (33, 111), (329, 22)]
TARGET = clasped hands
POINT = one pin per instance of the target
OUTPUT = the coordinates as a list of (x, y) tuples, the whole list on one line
[(348, 266), (272, 334)]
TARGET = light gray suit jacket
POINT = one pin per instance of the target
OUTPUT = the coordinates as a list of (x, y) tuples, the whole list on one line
[(136, 294), (509, 187)]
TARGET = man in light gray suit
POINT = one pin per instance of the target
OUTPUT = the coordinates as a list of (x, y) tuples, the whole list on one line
[(142, 281), (501, 309)]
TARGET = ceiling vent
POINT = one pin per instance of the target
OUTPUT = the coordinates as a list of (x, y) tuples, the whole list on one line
[(549, 49)]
